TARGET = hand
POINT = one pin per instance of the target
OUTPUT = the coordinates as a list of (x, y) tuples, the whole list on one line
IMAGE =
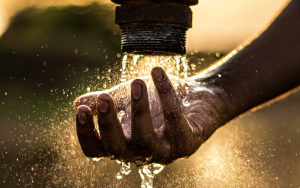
[(175, 133)]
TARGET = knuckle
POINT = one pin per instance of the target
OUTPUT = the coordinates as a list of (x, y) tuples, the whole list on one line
[(86, 100)]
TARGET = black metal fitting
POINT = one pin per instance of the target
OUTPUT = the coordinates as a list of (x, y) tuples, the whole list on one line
[(150, 26)]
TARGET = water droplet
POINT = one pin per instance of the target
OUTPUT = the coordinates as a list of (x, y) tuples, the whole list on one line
[(119, 176), (73, 152), (148, 159), (96, 159), (135, 59), (123, 78), (186, 102), (119, 162), (122, 113), (147, 176), (148, 172), (157, 168), (125, 168)]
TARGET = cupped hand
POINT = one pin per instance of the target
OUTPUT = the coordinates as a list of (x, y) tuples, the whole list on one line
[(175, 133)]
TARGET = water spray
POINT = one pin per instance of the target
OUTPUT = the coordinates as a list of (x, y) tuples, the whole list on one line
[(151, 28)]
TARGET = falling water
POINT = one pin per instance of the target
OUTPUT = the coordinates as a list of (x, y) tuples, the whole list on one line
[(256, 150), (148, 172), (124, 170), (140, 66)]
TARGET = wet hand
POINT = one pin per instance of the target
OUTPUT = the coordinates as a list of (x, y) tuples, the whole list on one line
[(175, 133)]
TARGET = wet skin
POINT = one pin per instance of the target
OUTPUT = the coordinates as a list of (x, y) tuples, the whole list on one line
[(268, 67), (177, 132)]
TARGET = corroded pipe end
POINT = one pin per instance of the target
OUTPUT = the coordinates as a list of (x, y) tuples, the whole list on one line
[(154, 37), (179, 2), (150, 26)]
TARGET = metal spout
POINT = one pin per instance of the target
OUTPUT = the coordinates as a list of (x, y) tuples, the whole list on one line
[(150, 26)]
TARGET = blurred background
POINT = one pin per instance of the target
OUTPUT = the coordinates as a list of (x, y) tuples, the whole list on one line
[(53, 51)]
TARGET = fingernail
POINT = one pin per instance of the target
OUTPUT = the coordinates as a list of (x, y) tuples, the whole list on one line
[(81, 117), (102, 105), (158, 74), (136, 91)]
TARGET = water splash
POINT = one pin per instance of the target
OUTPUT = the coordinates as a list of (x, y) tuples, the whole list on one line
[(123, 76), (181, 60), (124, 170), (139, 66), (122, 113), (119, 175), (148, 172), (186, 101), (96, 159), (38, 152)]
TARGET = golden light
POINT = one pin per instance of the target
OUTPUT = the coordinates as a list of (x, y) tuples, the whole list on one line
[(218, 26)]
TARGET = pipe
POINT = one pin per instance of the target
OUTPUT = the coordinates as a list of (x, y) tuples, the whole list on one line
[(150, 26)]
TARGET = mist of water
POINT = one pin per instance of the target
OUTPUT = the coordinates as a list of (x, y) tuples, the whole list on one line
[(256, 150), (140, 66)]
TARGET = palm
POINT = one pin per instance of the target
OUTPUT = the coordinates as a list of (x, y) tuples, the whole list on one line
[(173, 132)]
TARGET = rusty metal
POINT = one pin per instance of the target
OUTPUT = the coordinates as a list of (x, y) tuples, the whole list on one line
[(179, 2), (150, 26)]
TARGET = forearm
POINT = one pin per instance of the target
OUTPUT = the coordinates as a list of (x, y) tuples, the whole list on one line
[(264, 69)]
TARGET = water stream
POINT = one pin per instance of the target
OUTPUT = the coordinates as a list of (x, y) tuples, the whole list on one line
[(140, 66), (41, 149)]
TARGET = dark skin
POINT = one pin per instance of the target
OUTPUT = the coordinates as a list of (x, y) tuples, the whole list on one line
[(157, 140), (268, 67)]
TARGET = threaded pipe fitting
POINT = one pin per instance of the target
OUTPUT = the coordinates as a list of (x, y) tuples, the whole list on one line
[(150, 26), (150, 38)]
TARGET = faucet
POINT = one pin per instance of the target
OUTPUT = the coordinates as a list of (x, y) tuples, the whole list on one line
[(150, 26)]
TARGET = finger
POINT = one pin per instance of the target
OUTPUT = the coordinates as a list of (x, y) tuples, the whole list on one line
[(88, 136), (178, 130), (111, 131), (89, 100), (144, 140)]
